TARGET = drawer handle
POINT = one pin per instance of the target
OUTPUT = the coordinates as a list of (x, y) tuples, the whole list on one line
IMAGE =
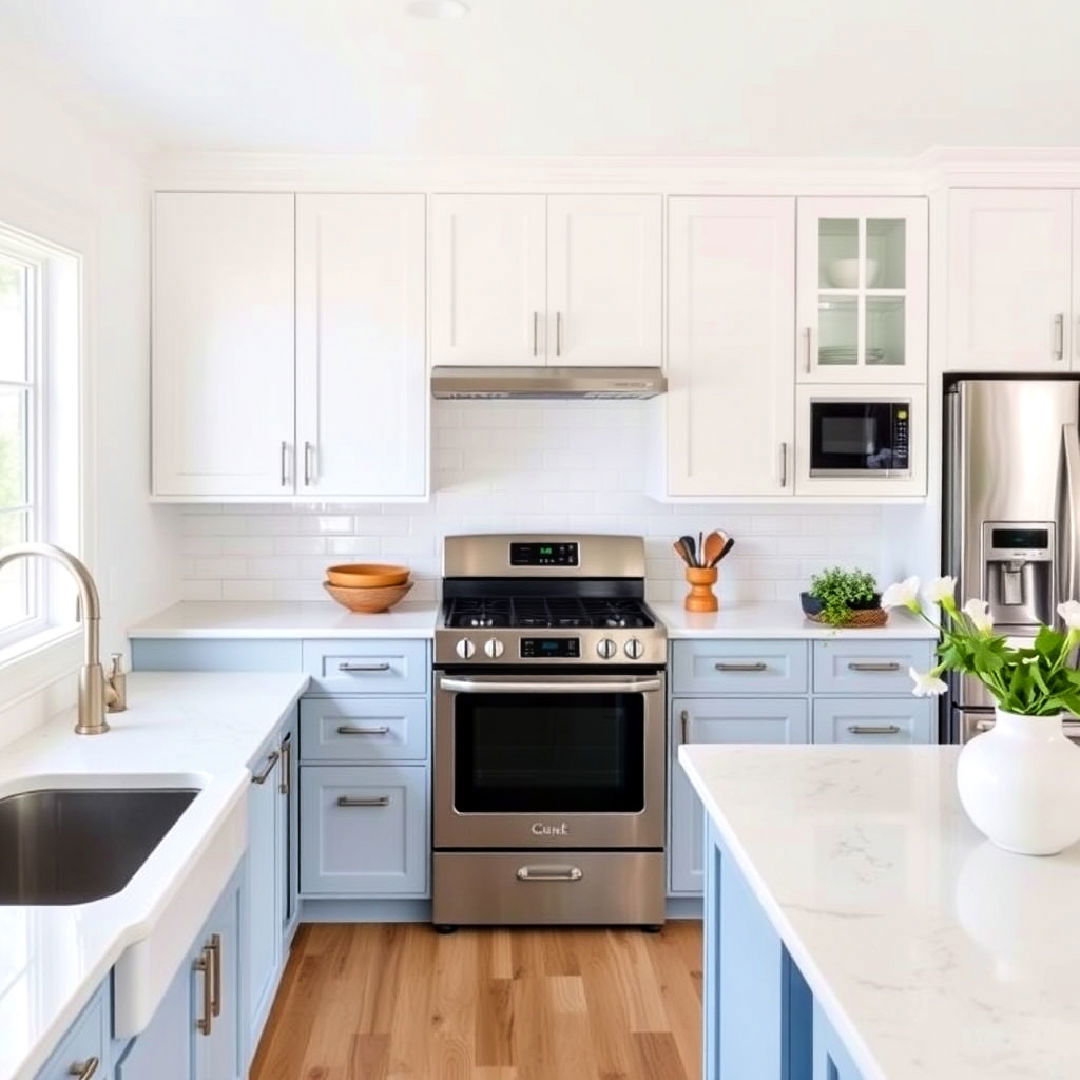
[(754, 665), (874, 665), (215, 982), (351, 667), (345, 729), (549, 873), (874, 729), (204, 965), (271, 761), (363, 800), (84, 1069), (684, 727)]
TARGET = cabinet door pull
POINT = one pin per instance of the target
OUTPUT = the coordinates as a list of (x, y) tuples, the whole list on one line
[(1059, 337), (360, 801), (558, 333), (262, 777), (753, 665), (284, 464), (874, 665), (684, 727), (205, 1024), (83, 1070), (874, 729), (536, 333), (309, 464), (549, 873), (783, 464), (215, 981), (809, 349), (286, 765), (352, 667), (346, 729)]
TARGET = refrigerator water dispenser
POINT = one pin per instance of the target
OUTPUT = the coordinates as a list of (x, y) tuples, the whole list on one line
[(1019, 573)]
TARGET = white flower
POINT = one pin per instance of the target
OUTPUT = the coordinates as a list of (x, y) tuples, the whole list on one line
[(902, 594), (978, 611), (1070, 614), (939, 589), (928, 684)]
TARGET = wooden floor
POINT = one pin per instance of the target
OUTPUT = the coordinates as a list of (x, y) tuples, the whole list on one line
[(389, 1002)]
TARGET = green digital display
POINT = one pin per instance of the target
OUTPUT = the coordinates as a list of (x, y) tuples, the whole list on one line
[(547, 551)]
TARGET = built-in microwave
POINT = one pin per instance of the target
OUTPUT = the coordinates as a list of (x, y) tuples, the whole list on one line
[(853, 438)]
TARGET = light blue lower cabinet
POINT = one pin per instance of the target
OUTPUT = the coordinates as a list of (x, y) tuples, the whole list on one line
[(86, 1041), (219, 1008), (718, 720), (165, 1050), (364, 830), (759, 1015), (868, 721)]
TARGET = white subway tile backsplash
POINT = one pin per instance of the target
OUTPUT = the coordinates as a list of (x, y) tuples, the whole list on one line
[(519, 467)]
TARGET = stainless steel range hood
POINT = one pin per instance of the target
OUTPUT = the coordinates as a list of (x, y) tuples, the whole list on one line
[(520, 383)]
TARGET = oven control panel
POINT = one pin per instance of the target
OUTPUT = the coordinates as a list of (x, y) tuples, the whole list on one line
[(535, 648), (542, 553)]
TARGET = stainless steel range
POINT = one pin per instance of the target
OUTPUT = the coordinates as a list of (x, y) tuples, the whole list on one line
[(548, 802)]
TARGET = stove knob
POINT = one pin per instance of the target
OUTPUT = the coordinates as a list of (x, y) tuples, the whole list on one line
[(606, 648), (493, 648), (634, 649), (465, 648)]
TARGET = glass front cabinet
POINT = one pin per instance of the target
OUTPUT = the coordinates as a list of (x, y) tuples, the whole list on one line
[(861, 290)]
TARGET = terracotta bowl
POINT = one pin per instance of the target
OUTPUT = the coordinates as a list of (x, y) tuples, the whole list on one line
[(368, 601), (367, 575)]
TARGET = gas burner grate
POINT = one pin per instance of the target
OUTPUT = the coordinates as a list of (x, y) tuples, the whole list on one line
[(538, 612)]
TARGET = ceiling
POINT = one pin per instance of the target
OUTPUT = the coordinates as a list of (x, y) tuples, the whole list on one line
[(538, 77)]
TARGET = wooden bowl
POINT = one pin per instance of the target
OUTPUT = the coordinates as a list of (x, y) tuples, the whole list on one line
[(367, 575), (368, 601)]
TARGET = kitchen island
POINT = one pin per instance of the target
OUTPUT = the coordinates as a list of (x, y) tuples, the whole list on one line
[(858, 927)]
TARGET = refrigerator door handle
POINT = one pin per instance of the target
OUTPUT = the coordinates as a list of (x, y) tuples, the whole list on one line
[(1068, 534)]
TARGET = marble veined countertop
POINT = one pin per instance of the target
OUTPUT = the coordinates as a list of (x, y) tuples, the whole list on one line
[(935, 955), (181, 730)]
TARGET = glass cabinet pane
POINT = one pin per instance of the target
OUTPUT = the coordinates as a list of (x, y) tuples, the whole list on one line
[(838, 253), (885, 255), (885, 330), (838, 330)]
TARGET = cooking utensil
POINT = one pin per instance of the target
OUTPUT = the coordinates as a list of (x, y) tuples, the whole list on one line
[(690, 548), (710, 553), (677, 547), (728, 545)]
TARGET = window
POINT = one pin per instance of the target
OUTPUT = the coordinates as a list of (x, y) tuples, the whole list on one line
[(39, 460)]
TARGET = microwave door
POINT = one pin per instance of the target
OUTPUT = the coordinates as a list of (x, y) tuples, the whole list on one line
[(858, 438)]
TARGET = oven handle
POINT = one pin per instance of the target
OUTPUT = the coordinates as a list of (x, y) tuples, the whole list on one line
[(570, 685)]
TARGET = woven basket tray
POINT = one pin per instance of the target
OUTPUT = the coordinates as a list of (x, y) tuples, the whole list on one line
[(860, 620)]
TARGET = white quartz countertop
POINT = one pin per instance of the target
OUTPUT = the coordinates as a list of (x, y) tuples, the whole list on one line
[(778, 621), (181, 730), (268, 619), (934, 954)]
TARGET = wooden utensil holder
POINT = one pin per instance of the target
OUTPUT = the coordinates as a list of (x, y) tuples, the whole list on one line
[(701, 598)]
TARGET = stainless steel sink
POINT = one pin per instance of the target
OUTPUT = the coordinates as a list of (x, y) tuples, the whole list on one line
[(71, 846)]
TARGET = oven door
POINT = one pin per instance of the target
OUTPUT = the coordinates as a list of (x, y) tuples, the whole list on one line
[(858, 438), (559, 761)]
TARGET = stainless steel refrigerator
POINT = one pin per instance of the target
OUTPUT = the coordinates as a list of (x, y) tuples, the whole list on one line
[(1011, 506)]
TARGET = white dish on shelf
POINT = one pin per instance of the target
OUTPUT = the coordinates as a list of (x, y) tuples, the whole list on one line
[(844, 273)]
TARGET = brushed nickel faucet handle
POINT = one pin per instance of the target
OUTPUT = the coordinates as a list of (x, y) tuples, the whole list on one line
[(116, 686)]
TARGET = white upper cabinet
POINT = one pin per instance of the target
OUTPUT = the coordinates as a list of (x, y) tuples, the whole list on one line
[(534, 279), (603, 280), (222, 344), (361, 377), (862, 290), (730, 403), (487, 279), (1010, 296)]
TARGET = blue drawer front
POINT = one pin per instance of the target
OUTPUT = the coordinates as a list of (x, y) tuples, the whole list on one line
[(875, 721), (367, 667), (365, 729), (853, 666), (740, 667)]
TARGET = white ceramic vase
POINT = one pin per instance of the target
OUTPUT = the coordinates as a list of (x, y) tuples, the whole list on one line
[(1020, 784)]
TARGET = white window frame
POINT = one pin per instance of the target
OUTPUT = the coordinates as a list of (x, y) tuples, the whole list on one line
[(54, 439)]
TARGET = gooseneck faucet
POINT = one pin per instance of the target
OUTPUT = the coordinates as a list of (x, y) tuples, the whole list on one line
[(97, 694)]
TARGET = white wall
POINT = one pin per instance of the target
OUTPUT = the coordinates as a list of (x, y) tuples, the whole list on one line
[(520, 466), (64, 178)]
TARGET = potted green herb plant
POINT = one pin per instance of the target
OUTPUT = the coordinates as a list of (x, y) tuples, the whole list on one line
[(842, 597)]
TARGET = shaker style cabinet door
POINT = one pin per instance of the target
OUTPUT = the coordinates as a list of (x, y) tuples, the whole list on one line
[(1009, 299), (361, 375), (604, 280), (730, 404), (222, 368), (863, 283), (487, 279)]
